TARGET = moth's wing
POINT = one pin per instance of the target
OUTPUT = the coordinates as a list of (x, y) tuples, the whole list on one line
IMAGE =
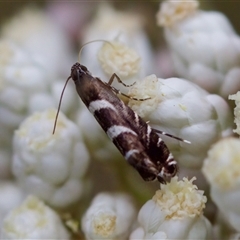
[(134, 152), (159, 153)]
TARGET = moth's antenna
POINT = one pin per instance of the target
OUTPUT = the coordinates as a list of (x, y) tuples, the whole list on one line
[(99, 40), (59, 105)]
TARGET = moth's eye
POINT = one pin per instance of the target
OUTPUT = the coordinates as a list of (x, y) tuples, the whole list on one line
[(84, 68)]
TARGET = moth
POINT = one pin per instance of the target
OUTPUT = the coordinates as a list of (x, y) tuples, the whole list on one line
[(140, 144)]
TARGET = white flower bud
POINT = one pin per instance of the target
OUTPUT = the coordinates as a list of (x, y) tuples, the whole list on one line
[(109, 216), (183, 109), (204, 46), (11, 197), (222, 170), (116, 57), (236, 97), (35, 31), (24, 87), (50, 166), (175, 212), (172, 11), (33, 220), (21, 78), (131, 52)]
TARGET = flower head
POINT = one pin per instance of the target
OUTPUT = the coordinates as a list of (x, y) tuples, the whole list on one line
[(222, 165), (204, 46), (109, 217), (11, 197), (175, 211), (181, 108), (129, 53), (50, 166), (33, 220), (35, 31), (222, 170), (179, 199), (173, 11), (116, 57)]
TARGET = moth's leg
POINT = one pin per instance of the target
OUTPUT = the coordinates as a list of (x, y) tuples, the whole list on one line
[(115, 76), (125, 95)]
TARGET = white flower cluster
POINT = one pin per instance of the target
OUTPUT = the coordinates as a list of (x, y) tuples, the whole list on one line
[(128, 54), (33, 49), (50, 166), (28, 82), (23, 79), (172, 12), (109, 217), (175, 212), (204, 46), (22, 83), (11, 197), (33, 220), (182, 109), (115, 57), (222, 170), (35, 31)]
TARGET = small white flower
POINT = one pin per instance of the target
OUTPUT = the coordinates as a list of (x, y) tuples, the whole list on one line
[(33, 220), (25, 87), (172, 11), (131, 52), (35, 31), (183, 109), (175, 212), (50, 166), (116, 57), (109, 216), (222, 170), (111, 22), (204, 46), (236, 97), (11, 197), (21, 78), (26, 81)]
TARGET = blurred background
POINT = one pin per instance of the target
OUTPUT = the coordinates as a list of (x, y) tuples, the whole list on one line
[(144, 8)]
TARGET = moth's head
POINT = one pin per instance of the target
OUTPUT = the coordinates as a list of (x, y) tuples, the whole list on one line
[(77, 71)]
